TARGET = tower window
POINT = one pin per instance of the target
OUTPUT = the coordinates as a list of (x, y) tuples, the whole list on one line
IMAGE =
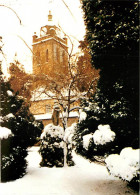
[(56, 53), (47, 55), (63, 56)]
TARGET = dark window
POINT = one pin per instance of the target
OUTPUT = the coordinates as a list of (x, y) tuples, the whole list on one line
[(47, 55)]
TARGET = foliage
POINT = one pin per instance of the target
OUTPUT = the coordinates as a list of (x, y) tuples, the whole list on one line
[(88, 75), (19, 80), (15, 115)]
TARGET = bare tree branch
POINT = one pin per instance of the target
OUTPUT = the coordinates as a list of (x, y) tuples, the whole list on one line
[(12, 11), (68, 9)]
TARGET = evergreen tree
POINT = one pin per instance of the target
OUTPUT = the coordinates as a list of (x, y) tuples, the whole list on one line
[(15, 115), (113, 34)]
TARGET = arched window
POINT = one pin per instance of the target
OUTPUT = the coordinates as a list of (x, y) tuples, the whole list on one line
[(57, 54), (47, 55), (63, 56), (55, 51)]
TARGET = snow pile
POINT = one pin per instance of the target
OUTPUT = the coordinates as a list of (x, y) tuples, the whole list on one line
[(9, 93), (103, 135), (82, 115), (86, 140), (53, 131), (10, 115), (4, 132), (1, 119), (126, 165)]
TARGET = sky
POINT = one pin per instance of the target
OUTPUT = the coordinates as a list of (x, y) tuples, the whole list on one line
[(33, 15)]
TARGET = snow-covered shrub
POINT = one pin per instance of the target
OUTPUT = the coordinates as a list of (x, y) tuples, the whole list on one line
[(82, 115), (117, 112), (103, 135), (68, 138), (24, 130), (126, 165), (86, 140), (93, 143), (51, 147)]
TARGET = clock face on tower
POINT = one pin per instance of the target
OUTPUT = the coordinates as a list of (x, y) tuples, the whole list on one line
[(43, 31)]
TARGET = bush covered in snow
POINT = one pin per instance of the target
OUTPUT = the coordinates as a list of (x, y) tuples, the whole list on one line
[(52, 146), (103, 135), (5, 133), (68, 138), (16, 120), (116, 112), (97, 142), (125, 166)]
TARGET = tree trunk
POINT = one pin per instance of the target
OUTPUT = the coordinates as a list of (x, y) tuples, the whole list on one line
[(65, 154), (65, 120)]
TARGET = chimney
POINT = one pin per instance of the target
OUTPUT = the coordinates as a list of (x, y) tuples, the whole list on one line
[(34, 37), (50, 16)]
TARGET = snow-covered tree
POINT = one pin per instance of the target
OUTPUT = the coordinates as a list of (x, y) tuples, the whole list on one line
[(16, 117), (113, 37)]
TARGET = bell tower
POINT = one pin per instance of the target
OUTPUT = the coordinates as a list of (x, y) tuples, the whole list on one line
[(50, 50)]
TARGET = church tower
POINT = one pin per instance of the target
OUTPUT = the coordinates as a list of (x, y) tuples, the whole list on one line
[(50, 50)]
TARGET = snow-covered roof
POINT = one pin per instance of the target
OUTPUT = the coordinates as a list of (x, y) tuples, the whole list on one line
[(48, 116), (47, 39), (43, 116)]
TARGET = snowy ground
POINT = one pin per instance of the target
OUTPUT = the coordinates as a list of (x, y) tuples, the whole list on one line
[(84, 178)]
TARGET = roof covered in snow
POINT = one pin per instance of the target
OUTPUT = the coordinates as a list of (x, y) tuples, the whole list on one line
[(48, 116)]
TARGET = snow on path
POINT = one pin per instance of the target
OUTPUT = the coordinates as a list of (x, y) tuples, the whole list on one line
[(84, 178)]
